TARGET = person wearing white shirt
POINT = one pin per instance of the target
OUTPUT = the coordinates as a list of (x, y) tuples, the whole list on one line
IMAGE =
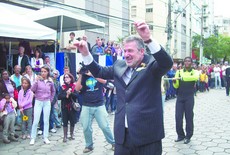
[(37, 61), (217, 76), (61, 79)]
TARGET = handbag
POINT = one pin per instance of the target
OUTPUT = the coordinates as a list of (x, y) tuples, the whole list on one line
[(75, 105)]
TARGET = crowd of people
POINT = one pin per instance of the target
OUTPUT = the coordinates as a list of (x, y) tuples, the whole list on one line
[(211, 76), (29, 100), (133, 88)]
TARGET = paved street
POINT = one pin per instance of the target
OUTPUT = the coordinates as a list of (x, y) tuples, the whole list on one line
[(211, 134)]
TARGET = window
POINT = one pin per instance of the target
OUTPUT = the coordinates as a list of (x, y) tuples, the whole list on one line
[(133, 11), (149, 8), (184, 14), (151, 27), (225, 22), (183, 29), (183, 49)]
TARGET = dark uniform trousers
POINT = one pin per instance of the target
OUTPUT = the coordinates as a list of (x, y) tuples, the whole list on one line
[(184, 106)]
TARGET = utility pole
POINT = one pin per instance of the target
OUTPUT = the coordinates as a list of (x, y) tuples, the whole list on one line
[(169, 28), (201, 35)]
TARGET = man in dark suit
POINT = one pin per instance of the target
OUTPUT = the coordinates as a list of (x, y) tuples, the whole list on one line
[(138, 126), (21, 59)]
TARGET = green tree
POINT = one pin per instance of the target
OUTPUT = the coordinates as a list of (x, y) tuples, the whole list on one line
[(216, 48)]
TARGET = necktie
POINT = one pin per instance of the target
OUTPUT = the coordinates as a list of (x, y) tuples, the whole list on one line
[(128, 74)]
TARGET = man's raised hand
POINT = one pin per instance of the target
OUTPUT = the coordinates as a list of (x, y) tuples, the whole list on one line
[(82, 47), (143, 30)]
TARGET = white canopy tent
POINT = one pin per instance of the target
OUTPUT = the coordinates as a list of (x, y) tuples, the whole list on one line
[(16, 26), (63, 20), (51, 17)]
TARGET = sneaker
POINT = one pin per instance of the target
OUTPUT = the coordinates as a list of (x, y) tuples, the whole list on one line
[(40, 132), (46, 141), (28, 137), (53, 130), (87, 149), (24, 137), (32, 141)]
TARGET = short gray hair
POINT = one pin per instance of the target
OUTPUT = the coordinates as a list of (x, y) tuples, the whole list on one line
[(138, 40), (58, 73)]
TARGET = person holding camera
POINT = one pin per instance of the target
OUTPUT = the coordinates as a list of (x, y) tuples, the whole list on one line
[(93, 107), (68, 95)]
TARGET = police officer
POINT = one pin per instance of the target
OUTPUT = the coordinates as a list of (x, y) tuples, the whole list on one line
[(184, 82)]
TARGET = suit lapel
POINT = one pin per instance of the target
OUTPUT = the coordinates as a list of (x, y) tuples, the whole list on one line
[(121, 71), (135, 73)]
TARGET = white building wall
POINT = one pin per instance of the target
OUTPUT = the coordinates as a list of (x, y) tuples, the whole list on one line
[(115, 25), (159, 16), (65, 36)]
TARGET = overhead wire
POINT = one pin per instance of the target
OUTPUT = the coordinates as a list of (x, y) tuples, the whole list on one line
[(60, 5)]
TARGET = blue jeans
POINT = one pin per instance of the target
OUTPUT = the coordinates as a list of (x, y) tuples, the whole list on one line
[(54, 116), (29, 113), (86, 118), (40, 106), (217, 82)]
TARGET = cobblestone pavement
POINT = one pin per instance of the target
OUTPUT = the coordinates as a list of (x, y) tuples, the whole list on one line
[(211, 133)]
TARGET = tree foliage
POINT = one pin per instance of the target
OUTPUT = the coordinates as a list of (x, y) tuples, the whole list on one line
[(216, 48)]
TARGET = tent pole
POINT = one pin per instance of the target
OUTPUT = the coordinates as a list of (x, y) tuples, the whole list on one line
[(10, 58), (61, 24), (55, 52)]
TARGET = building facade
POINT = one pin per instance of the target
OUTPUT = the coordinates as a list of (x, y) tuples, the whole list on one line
[(174, 22), (222, 25)]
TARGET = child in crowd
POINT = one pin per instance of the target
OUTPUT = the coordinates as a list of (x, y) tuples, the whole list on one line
[(25, 99), (8, 113), (203, 79)]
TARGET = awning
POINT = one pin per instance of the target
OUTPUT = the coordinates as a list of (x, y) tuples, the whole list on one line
[(51, 17), (13, 25)]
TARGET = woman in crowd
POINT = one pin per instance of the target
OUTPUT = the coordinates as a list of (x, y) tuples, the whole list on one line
[(54, 104), (25, 99), (30, 74), (44, 93), (7, 86), (68, 95), (37, 61)]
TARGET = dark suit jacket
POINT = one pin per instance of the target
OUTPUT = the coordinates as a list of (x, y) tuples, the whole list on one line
[(25, 61), (140, 99)]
